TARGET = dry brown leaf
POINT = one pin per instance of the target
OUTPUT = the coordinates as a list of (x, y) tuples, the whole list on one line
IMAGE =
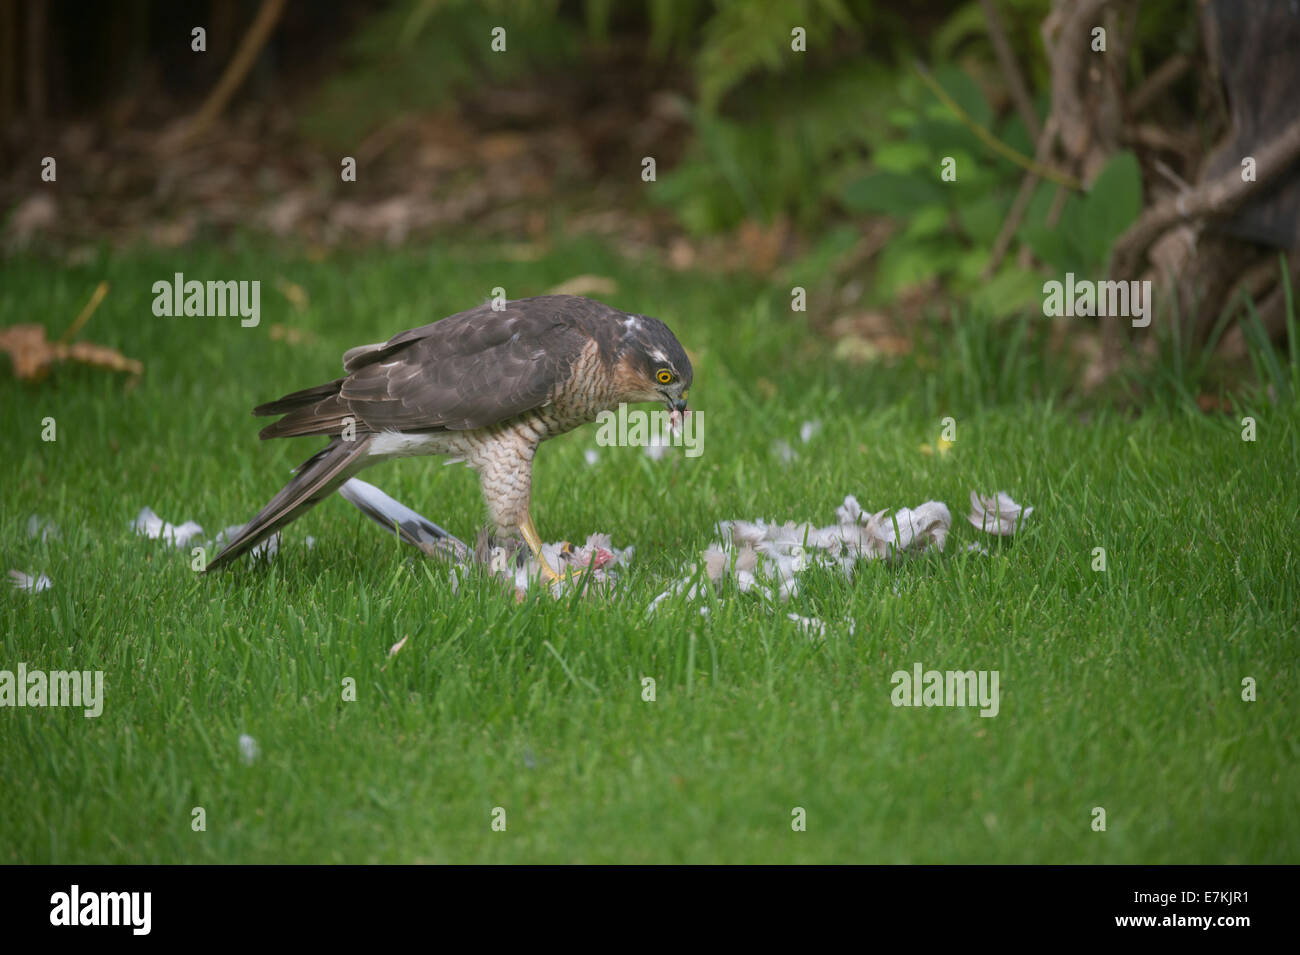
[(33, 355)]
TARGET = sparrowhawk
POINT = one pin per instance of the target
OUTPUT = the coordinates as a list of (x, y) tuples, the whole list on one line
[(485, 386)]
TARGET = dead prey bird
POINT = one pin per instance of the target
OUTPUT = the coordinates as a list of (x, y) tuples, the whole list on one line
[(486, 386)]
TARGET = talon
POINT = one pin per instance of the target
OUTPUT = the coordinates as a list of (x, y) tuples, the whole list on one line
[(528, 531)]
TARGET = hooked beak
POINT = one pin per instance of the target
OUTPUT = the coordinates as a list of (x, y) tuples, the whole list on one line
[(676, 411)]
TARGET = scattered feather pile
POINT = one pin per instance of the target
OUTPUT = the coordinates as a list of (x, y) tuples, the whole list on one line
[(767, 558), (759, 557)]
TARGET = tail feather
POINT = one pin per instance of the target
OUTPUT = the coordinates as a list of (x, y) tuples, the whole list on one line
[(318, 410), (317, 478), (329, 417), (299, 399)]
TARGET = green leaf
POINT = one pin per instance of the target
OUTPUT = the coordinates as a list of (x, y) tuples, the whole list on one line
[(1012, 290), (971, 265), (1110, 207), (902, 117), (929, 221), (981, 219), (958, 84), (825, 256), (892, 193), (1057, 246), (966, 22), (905, 264), (901, 156)]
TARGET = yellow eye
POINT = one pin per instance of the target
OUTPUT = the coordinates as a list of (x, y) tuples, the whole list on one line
[(664, 376)]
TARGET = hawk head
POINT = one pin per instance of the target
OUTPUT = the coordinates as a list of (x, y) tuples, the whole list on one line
[(652, 365)]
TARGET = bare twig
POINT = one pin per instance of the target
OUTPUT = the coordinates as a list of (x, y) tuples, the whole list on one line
[(95, 298), (259, 31), (1056, 208), (1158, 137), (1154, 86), (1010, 69), (1066, 59), (1019, 205), (1002, 149), (1177, 181), (1214, 198)]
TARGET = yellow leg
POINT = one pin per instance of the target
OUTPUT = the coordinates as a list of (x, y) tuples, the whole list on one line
[(534, 542)]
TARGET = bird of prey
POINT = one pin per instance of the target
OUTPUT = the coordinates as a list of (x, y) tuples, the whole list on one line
[(485, 386)]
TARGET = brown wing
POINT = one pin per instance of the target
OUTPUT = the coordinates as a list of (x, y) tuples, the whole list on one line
[(468, 371)]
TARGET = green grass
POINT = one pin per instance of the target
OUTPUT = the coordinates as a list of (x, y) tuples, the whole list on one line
[(1119, 689)]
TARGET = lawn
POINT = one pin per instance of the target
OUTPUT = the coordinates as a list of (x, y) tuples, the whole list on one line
[(1120, 689)]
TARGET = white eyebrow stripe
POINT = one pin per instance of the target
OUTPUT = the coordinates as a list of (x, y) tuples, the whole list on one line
[(658, 355)]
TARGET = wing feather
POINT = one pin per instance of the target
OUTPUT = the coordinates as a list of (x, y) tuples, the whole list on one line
[(471, 370)]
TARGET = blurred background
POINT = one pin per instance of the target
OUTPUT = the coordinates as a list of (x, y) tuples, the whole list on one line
[(800, 143)]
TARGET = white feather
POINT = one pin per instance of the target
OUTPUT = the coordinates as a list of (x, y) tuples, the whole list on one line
[(395, 444)]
